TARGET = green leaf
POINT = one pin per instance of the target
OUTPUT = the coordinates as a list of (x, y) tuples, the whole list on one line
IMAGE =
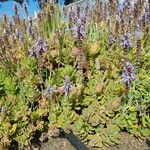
[(95, 140), (52, 117), (145, 132)]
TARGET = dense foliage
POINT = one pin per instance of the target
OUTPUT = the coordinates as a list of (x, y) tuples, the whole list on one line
[(84, 69)]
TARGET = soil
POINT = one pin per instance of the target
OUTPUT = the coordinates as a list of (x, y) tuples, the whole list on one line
[(127, 142), (57, 144)]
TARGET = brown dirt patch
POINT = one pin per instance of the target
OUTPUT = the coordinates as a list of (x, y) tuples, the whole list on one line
[(127, 142)]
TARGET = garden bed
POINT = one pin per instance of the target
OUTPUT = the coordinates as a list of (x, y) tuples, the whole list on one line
[(82, 71), (127, 142)]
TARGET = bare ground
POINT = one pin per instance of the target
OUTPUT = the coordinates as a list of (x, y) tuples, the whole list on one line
[(127, 142)]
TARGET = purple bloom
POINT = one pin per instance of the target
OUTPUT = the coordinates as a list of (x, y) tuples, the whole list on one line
[(79, 30), (15, 8), (51, 90), (39, 48), (88, 4), (18, 35), (129, 66), (25, 8), (78, 22), (30, 30), (82, 31), (30, 21), (138, 34), (146, 15), (73, 14), (128, 75), (67, 86), (75, 31), (126, 42), (111, 40), (32, 52), (42, 45)]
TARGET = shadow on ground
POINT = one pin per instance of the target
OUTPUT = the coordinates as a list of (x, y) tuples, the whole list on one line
[(127, 142)]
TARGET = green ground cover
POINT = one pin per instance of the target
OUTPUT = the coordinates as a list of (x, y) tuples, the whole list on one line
[(84, 69)]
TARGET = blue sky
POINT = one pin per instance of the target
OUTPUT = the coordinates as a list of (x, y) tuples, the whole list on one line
[(7, 8)]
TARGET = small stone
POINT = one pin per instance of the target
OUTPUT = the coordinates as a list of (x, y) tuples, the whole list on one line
[(99, 88)]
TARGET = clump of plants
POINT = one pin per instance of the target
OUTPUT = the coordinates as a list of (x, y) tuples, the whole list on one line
[(83, 69)]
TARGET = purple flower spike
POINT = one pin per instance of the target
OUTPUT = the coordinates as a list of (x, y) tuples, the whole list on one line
[(129, 66), (32, 52), (126, 42), (67, 86), (138, 33), (111, 40), (15, 8), (75, 32), (25, 8), (51, 90), (42, 45), (146, 14), (39, 48), (79, 30), (128, 75), (82, 31), (89, 4), (30, 31), (18, 35)]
